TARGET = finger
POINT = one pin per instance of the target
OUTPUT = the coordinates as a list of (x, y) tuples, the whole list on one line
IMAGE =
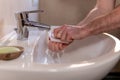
[(60, 33), (53, 46), (57, 30), (69, 38), (56, 47), (64, 35), (50, 45), (60, 46)]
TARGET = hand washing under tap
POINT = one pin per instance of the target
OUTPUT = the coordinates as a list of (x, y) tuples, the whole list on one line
[(23, 22)]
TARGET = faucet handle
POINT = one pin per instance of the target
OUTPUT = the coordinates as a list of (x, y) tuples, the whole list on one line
[(25, 14), (34, 11)]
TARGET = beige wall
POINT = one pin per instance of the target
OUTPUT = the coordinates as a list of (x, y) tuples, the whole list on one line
[(7, 10), (58, 12), (117, 2)]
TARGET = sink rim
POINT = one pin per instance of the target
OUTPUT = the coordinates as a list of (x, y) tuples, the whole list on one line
[(58, 67)]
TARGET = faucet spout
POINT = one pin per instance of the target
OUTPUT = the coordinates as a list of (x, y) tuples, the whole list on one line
[(23, 22), (37, 24)]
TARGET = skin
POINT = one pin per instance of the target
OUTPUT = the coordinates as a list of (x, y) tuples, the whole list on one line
[(100, 19)]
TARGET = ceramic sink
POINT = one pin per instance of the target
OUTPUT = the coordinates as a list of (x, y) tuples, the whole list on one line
[(88, 59)]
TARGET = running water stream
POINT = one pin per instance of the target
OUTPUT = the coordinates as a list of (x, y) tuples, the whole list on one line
[(43, 54)]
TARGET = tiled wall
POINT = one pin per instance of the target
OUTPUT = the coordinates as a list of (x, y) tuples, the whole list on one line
[(7, 10)]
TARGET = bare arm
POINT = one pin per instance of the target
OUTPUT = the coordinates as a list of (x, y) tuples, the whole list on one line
[(102, 7), (105, 23), (96, 22)]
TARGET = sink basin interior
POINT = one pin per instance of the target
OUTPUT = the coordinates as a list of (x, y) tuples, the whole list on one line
[(88, 49), (79, 51), (36, 51)]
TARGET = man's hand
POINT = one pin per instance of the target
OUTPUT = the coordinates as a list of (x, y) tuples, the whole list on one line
[(56, 46), (70, 33), (67, 33)]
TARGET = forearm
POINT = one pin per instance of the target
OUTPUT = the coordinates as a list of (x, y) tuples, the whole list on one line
[(94, 13), (105, 23), (102, 7)]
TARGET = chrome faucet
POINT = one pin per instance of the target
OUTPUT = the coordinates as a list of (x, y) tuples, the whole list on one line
[(23, 22)]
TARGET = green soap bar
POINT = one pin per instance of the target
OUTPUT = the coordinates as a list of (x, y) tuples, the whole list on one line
[(5, 50)]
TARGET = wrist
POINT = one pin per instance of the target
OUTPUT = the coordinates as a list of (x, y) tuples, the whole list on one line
[(84, 32)]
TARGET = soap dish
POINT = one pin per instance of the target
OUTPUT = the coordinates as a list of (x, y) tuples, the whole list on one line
[(10, 52)]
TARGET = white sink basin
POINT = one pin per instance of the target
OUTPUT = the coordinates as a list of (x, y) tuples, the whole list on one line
[(88, 59)]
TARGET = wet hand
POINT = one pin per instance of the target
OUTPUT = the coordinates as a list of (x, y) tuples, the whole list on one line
[(70, 33), (56, 46)]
